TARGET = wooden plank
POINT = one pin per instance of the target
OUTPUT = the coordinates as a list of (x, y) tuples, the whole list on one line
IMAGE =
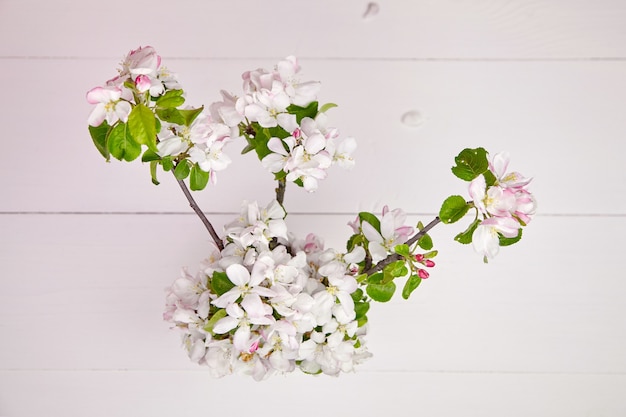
[(561, 121), (156, 394), (442, 29), (87, 292)]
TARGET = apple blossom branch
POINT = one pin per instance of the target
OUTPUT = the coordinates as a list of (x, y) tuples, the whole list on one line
[(396, 257), (200, 214)]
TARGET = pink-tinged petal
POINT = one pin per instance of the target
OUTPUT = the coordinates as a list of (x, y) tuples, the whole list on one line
[(370, 232), (387, 226), (485, 241), (228, 298), (143, 83), (238, 274), (287, 121), (97, 116), (276, 145), (241, 339), (254, 306), (314, 143), (225, 325), (122, 110), (499, 164), (103, 95), (477, 191)]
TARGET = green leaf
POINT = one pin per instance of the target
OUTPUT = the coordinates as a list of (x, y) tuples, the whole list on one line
[(153, 172), (189, 115), (425, 242), (217, 316), (357, 295), (410, 285), (431, 254), (490, 179), (182, 170), (466, 236), (507, 241), (167, 163), (394, 270), (453, 209), (302, 112), (171, 99), (198, 179), (99, 136), (470, 163), (220, 283), (142, 124), (380, 292), (402, 250), (361, 309), (327, 107), (371, 219), (171, 116), (149, 156), (121, 144)]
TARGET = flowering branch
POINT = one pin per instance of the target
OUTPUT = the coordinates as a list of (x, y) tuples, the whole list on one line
[(196, 208), (266, 301), (397, 257)]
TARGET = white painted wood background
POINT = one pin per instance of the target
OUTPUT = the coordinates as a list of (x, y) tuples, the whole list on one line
[(87, 248)]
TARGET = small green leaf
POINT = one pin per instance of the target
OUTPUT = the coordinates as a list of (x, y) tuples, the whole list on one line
[(189, 115), (361, 309), (198, 179), (302, 112), (453, 209), (402, 250), (220, 283), (470, 163), (394, 270), (371, 219), (182, 170), (490, 179), (431, 254), (507, 241), (121, 144), (142, 124), (327, 107), (425, 242), (465, 237), (171, 99), (153, 172), (167, 163), (381, 292), (357, 295), (99, 136), (217, 316), (171, 116), (410, 285), (149, 156)]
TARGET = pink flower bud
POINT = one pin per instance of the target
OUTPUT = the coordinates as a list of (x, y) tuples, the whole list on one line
[(423, 274), (429, 263), (419, 257)]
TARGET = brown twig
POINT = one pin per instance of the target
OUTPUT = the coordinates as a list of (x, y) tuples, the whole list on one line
[(280, 190), (200, 214)]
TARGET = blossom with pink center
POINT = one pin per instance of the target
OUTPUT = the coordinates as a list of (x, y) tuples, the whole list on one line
[(392, 232), (109, 106), (485, 238)]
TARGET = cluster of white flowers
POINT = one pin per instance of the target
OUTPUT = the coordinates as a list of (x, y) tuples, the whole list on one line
[(506, 206), (143, 80), (308, 146), (270, 303)]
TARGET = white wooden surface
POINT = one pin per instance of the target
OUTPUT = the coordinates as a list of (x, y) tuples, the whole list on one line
[(87, 248)]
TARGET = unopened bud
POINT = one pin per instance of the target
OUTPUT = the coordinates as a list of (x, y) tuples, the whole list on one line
[(423, 274)]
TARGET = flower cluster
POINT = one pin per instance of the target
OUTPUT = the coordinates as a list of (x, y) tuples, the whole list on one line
[(270, 303), (143, 106), (504, 203), (280, 118)]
